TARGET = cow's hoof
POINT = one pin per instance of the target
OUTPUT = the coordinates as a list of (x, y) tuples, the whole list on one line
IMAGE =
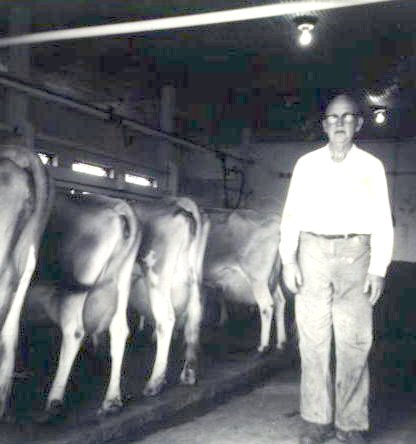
[(55, 412), (263, 351), (281, 347), (188, 376), (153, 390), (110, 408)]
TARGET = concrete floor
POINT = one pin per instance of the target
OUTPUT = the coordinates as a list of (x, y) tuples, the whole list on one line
[(266, 415), (269, 415)]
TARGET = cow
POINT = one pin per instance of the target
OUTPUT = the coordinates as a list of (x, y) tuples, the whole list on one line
[(26, 193), (83, 284), (166, 281), (242, 265)]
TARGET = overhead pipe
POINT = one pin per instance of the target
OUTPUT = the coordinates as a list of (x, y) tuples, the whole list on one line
[(184, 21), (108, 115), (42, 93)]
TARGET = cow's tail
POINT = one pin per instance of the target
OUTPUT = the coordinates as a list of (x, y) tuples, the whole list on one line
[(279, 301), (206, 226), (132, 232), (44, 189), (192, 218), (275, 272), (26, 227), (199, 229), (95, 323)]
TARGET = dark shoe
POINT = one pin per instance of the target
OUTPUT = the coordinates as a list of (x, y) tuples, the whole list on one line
[(316, 433), (351, 437)]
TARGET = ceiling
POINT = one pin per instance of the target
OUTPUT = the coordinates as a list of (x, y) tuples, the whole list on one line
[(231, 76)]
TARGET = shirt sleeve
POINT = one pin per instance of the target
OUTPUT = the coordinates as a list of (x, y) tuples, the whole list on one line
[(290, 228), (382, 235)]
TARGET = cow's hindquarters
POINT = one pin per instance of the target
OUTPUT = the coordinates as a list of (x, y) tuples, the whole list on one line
[(26, 190)]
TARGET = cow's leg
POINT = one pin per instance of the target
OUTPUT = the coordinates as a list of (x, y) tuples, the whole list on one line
[(10, 331), (192, 328), (119, 331), (164, 316), (73, 334), (279, 307), (264, 302), (142, 321), (195, 308)]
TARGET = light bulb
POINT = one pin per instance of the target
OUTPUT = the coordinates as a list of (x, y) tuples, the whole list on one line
[(305, 37), (380, 116)]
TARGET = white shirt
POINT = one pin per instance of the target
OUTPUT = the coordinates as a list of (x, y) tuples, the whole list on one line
[(328, 197)]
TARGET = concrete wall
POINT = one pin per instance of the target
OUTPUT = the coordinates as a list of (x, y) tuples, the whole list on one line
[(91, 136), (202, 177), (72, 135), (269, 178), (404, 198)]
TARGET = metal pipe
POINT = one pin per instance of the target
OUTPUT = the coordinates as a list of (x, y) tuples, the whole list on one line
[(185, 21), (42, 93), (108, 115)]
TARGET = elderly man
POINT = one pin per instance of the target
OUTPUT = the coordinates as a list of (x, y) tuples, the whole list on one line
[(336, 245)]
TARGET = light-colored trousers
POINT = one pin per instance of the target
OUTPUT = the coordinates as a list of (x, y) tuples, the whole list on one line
[(331, 303)]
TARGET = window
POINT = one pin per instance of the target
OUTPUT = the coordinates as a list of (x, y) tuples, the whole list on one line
[(47, 159), (94, 170), (140, 180), (73, 191)]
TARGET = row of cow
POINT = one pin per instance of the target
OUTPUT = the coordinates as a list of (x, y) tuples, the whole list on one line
[(86, 258)]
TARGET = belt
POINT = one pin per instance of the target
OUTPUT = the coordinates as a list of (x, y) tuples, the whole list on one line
[(335, 236)]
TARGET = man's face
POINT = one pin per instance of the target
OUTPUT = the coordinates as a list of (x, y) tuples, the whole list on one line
[(341, 121)]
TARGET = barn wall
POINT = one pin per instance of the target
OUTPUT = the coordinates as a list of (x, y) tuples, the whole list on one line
[(75, 136), (91, 135), (269, 178), (203, 178)]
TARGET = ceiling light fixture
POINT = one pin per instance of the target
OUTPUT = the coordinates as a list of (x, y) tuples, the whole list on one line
[(376, 100), (380, 116), (383, 98), (305, 26), (185, 21)]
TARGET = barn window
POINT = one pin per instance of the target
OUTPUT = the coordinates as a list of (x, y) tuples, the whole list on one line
[(73, 191), (48, 159), (94, 170), (141, 180)]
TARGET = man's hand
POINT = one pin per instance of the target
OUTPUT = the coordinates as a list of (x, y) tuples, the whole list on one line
[(292, 277), (373, 286)]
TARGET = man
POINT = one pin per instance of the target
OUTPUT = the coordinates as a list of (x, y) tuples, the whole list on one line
[(336, 245)]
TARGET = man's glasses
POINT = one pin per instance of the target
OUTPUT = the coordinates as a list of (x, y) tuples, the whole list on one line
[(332, 119)]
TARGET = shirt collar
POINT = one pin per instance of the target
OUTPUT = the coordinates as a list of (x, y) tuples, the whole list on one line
[(349, 155)]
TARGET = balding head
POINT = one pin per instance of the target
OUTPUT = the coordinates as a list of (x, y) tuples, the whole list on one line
[(343, 100)]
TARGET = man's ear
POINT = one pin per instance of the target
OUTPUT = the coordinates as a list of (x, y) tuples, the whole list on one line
[(325, 126), (359, 125)]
